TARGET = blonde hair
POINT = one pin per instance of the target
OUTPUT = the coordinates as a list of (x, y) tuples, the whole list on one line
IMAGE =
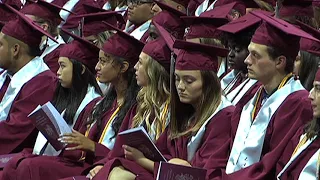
[(264, 5), (151, 97), (208, 103)]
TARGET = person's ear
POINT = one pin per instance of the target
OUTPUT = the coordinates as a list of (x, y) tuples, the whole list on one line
[(281, 62), (16, 48), (125, 67)]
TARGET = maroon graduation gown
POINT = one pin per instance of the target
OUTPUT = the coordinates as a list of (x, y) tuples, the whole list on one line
[(51, 59), (212, 154), (117, 150), (18, 131), (248, 96), (292, 114), (294, 170), (65, 165)]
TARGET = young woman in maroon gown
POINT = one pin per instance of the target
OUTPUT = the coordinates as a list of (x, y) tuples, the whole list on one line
[(201, 114), (99, 122), (152, 109), (304, 162)]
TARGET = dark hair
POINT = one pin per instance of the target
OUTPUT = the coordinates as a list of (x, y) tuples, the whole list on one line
[(69, 99), (52, 23), (242, 39), (312, 129), (308, 69), (275, 53), (34, 51), (106, 103)]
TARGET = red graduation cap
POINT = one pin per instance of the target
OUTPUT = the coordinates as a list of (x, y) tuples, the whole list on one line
[(170, 19), (25, 30), (246, 22), (93, 25), (296, 8), (5, 13), (307, 44), (81, 8), (207, 23), (44, 10), (169, 39), (81, 50), (194, 56), (279, 34), (123, 45), (159, 51)]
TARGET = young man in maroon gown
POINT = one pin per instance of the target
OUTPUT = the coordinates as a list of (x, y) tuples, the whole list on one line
[(263, 128), (25, 83)]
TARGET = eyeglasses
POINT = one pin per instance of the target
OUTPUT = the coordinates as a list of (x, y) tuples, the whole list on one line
[(137, 2)]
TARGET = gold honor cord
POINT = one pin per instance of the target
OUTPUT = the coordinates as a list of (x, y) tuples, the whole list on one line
[(283, 82)]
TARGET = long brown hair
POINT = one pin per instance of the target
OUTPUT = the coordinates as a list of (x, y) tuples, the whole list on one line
[(151, 97), (181, 113), (313, 128)]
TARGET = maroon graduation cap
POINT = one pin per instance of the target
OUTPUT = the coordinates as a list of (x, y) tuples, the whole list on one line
[(169, 39), (296, 8), (279, 34), (170, 19), (93, 25), (43, 9), (81, 50), (207, 23), (194, 56), (5, 13), (159, 51), (316, 3), (307, 44), (24, 29), (123, 45), (80, 8)]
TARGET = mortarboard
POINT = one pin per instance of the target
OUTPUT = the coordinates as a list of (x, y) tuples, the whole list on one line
[(170, 19), (44, 10), (279, 34), (207, 23), (25, 30), (123, 45), (307, 44), (169, 39), (81, 50), (194, 56), (159, 51), (92, 22), (5, 13), (296, 8), (81, 8)]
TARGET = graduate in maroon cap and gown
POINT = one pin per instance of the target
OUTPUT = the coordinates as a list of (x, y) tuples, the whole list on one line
[(24, 84), (304, 162), (97, 32), (203, 29), (169, 18), (306, 64), (238, 88), (47, 16), (154, 59), (99, 125), (76, 94), (185, 145), (261, 131)]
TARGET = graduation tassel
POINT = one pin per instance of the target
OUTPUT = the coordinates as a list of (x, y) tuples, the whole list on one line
[(278, 6)]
